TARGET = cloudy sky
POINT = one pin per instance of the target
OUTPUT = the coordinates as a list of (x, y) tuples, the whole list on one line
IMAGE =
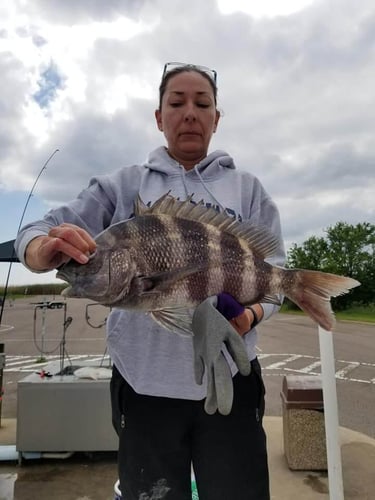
[(296, 87)]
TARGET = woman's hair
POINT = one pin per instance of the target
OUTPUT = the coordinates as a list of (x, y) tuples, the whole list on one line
[(182, 69)]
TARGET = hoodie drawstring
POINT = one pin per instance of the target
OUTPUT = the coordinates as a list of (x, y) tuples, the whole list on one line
[(207, 189), (184, 181)]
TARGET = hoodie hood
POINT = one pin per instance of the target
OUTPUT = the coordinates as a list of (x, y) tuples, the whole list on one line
[(210, 167), (206, 172)]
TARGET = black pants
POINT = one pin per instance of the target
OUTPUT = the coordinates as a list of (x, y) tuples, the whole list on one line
[(159, 439)]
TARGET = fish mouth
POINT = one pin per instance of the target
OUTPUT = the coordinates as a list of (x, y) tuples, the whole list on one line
[(66, 291), (61, 275)]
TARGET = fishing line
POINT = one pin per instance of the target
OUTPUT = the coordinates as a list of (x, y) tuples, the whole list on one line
[(13, 255)]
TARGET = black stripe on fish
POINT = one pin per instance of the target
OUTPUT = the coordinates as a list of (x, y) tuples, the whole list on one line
[(196, 251), (154, 229), (233, 259)]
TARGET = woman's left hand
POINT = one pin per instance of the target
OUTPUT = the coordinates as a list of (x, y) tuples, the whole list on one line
[(238, 316), (242, 323)]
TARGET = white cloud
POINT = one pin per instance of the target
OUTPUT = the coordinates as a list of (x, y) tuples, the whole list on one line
[(296, 88), (265, 8)]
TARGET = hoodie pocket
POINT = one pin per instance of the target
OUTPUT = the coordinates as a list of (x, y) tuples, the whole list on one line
[(118, 388), (260, 407)]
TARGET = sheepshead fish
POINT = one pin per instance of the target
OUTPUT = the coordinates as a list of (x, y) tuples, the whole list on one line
[(172, 256)]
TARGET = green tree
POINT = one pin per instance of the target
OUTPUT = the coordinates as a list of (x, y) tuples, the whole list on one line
[(351, 247), (311, 255), (347, 250)]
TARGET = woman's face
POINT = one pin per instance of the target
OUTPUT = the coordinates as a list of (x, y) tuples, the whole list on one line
[(188, 117)]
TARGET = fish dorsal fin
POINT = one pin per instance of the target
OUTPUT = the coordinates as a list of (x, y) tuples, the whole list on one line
[(140, 208), (258, 238)]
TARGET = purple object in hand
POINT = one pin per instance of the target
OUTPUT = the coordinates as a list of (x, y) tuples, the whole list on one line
[(228, 306)]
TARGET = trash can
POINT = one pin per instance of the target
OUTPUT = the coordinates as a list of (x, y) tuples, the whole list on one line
[(303, 422)]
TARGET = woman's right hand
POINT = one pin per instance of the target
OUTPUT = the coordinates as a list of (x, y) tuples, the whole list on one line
[(64, 242)]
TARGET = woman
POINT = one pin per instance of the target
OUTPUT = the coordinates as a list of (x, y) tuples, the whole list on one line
[(157, 406)]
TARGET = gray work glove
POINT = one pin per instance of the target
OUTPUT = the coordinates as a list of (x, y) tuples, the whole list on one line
[(211, 332)]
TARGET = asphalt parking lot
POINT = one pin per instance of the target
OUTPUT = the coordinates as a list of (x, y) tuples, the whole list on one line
[(288, 344)]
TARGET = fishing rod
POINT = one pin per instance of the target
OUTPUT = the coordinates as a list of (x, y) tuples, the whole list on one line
[(18, 230)]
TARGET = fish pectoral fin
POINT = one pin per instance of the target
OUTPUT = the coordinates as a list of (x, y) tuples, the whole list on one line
[(175, 319), (160, 282)]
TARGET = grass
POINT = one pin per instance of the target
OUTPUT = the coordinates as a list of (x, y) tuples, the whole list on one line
[(361, 314), (37, 289), (355, 313)]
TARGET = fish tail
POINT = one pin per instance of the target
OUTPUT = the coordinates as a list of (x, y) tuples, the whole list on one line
[(312, 291)]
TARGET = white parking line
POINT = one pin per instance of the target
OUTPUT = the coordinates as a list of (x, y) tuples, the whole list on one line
[(310, 368), (285, 365), (347, 369), (303, 371), (24, 360), (16, 364), (6, 328), (273, 364), (281, 364)]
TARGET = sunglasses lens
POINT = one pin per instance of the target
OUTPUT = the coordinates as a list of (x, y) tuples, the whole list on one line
[(171, 66)]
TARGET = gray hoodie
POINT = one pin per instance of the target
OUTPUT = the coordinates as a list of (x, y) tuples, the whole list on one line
[(155, 361)]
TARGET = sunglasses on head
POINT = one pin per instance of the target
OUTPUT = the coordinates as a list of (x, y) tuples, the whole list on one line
[(170, 66)]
